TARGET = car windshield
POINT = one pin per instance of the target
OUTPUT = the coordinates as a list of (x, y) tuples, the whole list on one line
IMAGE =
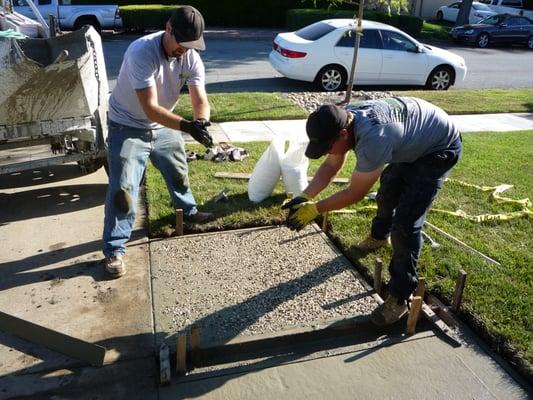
[(494, 20), (314, 31), (481, 7)]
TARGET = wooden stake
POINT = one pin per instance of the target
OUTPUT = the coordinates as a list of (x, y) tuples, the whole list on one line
[(325, 222), (378, 269), (459, 288), (164, 364), (421, 288), (414, 313), (179, 222), (195, 342), (181, 354)]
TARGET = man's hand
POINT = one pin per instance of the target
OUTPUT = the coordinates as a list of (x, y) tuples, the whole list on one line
[(198, 130), (288, 204), (302, 214)]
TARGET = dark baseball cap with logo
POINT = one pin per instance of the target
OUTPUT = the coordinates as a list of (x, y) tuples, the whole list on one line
[(323, 127), (188, 27)]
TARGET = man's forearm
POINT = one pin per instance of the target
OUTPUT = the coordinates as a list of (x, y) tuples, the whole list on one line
[(322, 178), (339, 200), (164, 117)]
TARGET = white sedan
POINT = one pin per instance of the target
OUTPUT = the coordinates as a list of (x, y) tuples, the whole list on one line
[(323, 53), (478, 12)]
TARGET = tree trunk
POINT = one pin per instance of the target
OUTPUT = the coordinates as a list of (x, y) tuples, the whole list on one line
[(358, 33), (464, 13)]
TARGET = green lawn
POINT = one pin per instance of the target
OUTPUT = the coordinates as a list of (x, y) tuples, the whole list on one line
[(434, 30), (256, 106), (477, 101), (246, 106), (497, 297)]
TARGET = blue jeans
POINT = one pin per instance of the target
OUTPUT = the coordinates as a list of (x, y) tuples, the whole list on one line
[(128, 152), (405, 195)]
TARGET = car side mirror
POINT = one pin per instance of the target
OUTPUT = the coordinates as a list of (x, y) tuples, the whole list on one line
[(419, 49)]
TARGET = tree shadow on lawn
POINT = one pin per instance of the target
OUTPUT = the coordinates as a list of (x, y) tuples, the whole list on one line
[(225, 216)]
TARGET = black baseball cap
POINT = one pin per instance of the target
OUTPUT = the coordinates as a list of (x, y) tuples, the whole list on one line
[(188, 27), (323, 127)]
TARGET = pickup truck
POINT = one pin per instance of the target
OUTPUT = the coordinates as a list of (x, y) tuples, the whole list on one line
[(73, 17), (513, 7)]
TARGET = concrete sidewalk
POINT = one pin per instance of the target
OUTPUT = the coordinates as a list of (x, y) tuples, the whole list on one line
[(252, 131)]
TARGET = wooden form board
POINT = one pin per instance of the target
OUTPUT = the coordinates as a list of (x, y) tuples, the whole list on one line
[(246, 176), (54, 340)]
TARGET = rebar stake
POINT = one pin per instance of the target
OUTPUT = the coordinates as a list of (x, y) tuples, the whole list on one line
[(378, 269), (179, 222), (459, 288)]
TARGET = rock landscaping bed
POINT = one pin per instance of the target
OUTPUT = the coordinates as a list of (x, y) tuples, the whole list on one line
[(310, 101)]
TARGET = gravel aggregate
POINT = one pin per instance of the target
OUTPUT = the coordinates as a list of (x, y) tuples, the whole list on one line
[(310, 101), (251, 282)]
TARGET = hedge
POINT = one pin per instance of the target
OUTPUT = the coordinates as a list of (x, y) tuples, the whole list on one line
[(298, 18), (145, 17), (242, 13)]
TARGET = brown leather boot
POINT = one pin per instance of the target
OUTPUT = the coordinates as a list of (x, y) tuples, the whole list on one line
[(389, 312)]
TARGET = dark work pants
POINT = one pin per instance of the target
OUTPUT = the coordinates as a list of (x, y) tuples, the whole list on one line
[(404, 197)]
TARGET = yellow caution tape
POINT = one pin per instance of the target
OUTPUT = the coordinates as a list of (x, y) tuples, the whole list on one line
[(496, 190)]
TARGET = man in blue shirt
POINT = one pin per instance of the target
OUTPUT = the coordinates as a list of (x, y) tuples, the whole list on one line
[(411, 145)]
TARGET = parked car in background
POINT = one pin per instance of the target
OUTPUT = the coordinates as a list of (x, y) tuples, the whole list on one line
[(323, 53), (73, 17), (498, 29), (478, 12), (515, 7)]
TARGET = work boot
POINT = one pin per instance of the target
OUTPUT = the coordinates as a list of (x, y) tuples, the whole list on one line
[(199, 217), (371, 244), (115, 266), (389, 312)]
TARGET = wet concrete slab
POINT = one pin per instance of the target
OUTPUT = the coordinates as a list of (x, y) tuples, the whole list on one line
[(51, 274), (392, 367), (251, 282)]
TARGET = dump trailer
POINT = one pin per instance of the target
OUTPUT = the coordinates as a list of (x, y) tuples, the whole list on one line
[(53, 101)]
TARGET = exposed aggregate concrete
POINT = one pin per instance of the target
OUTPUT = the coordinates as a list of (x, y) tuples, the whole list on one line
[(252, 282)]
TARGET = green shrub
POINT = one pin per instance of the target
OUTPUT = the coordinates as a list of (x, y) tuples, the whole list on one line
[(145, 17), (242, 13), (298, 18)]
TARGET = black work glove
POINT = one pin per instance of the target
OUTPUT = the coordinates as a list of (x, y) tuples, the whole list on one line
[(198, 130)]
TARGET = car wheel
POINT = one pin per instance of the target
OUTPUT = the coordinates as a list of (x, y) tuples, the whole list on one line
[(483, 40), (441, 78), (530, 42), (440, 16), (87, 20), (331, 78)]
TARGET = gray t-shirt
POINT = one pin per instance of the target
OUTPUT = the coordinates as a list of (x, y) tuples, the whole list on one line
[(145, 64), (398, 129)]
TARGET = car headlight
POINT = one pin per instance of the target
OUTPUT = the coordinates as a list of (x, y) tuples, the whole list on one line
[(469, 32)]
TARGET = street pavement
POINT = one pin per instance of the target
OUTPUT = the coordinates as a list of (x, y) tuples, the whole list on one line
[(50, 273)]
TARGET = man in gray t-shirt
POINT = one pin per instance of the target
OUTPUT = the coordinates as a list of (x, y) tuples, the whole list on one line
[(142, 125), (411, 145)]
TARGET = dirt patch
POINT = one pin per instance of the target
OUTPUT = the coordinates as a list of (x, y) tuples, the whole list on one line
[(106, 296)]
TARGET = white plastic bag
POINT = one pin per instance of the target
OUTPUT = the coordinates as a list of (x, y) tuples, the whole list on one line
[(267, 172), (294, 166)]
